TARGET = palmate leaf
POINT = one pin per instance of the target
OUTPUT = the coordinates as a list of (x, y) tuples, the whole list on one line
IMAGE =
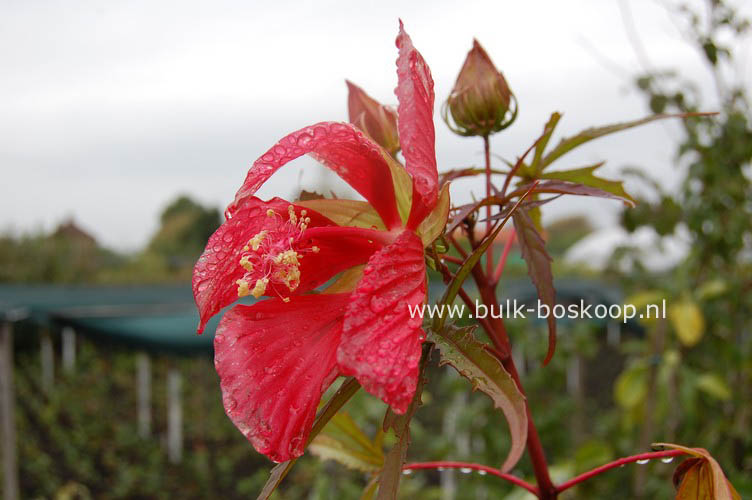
[(538, 262), (469, 357), (344, 442), (586, 176), (536, 167), (566, 187), (700, 477), (346, 391), (567, 144)]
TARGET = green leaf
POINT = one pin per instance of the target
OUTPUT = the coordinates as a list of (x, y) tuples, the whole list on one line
[(535, 167), (343, 441), (485, 372), (700, 477), (586, 176), (391, 473), (346, 391), (688, 321), (433, 225), (346, 212), (569, 143), (538, 261)]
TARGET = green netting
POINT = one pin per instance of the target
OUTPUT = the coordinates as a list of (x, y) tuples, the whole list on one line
[(164, 318), (156, 318)]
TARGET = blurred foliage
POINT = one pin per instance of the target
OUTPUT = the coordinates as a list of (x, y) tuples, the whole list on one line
[(690, 379), (69, 255)]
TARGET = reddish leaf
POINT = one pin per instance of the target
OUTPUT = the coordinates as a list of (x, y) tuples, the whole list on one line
[(416, 131), (700, 477), (341, 147), (538, 261), (373, 118), (381, 341), (565, 187), (274, 361)]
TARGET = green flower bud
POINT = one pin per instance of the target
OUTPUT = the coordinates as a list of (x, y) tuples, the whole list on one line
[(481, 102)]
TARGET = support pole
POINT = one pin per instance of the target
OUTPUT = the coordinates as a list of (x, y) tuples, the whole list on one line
[(69, 349), (7, 414), (47, 360), (143, 393), (174, 417)]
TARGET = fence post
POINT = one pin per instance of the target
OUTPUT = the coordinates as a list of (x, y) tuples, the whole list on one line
[(47, 360), (174, 417), (7, 413), (143, 393), (69, 349)]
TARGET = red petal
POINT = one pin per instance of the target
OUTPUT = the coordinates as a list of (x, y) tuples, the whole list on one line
[(218, 268), (274, 361), (416, 132), (380, 340), (342, 148)]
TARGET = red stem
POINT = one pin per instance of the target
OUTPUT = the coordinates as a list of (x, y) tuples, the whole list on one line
[(489, 252), (503, 260), (616, 463), (500, 339), (468, 465)]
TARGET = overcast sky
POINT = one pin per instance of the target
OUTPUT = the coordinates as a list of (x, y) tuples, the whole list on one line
[(108, 110)]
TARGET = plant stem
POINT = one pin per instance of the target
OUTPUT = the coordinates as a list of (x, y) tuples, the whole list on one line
[(469, 465), (616, 463), (503, 261), (500, 339), (489, 252)]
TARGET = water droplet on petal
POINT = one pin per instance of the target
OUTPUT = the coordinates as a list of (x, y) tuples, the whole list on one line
[(667, 460), (482, 472), (643, 462), (407, 472), (466, 470)]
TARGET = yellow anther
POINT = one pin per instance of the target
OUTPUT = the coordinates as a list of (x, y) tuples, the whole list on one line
[(286, 299), (243, 289), (260, 287), (291, 213), (303, 212), (257, 239), (246, 264), (288, 257), (315, 249), (270, 213)]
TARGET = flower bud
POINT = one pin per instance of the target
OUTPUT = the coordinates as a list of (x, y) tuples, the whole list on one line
[(379, 122), (480, 100)]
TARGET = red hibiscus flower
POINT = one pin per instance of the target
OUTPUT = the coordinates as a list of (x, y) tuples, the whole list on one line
[(276, 357)]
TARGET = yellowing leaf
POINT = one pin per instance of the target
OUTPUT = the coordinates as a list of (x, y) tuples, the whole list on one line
[(714, 385), (700, 477), (403, 186), (459, 349), (711, 289), (631, 386), (433, 225), (344, 442), (346, 212), (688, 322)]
